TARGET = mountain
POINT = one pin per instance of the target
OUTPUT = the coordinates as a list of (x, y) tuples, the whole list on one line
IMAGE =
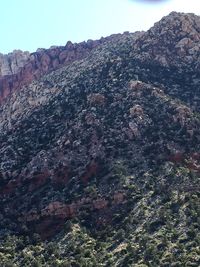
[(100, 161), (10, 63)]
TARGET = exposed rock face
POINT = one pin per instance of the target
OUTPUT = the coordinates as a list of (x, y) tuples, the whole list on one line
[(111, 139), (11, 63)]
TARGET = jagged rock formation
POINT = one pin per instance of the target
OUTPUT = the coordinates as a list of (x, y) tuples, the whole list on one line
[(11, 63), (104, 152)]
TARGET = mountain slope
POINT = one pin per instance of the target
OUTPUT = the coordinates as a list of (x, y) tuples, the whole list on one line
[(19, 68), (103, 154)]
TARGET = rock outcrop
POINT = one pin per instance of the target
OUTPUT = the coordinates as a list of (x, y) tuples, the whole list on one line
[(11, 63), (172, 42)]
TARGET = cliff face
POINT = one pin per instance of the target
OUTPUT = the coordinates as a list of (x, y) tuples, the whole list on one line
[(103, 152), (11, 63)]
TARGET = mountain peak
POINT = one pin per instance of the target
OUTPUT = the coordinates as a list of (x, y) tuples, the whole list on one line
[(180, 23), (173, 41)]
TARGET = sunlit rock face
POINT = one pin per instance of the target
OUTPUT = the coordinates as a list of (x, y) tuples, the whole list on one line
[(12, 62)]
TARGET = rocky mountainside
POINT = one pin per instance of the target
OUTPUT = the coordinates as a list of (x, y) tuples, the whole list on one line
[(99, 155), (21, 68)]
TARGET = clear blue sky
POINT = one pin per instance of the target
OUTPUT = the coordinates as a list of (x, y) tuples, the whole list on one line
[(32, 24)]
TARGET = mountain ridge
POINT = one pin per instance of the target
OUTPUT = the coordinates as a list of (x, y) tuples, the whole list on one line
[(21, 68)]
